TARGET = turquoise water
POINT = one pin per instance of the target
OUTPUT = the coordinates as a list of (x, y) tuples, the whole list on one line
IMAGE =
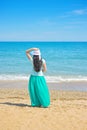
[(66, 61)]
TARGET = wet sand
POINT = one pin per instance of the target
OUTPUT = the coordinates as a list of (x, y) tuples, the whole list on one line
[(69, 86)]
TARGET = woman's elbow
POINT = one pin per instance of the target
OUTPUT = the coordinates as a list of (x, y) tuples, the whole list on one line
[(44, 70), (26, 52)]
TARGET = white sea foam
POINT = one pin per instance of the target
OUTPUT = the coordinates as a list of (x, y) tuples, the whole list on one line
[(13, 77), (50, 79), (65, 79)]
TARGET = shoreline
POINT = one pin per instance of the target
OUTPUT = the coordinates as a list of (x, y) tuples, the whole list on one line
[(68, 86)]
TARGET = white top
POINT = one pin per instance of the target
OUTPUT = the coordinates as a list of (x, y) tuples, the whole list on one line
[(40, 73)]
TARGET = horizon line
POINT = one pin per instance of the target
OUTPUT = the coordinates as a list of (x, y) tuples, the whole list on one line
[(40, 41)]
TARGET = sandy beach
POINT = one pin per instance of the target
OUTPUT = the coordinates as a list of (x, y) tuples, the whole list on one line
[(68, 109)]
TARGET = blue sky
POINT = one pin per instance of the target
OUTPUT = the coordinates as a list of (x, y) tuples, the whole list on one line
[(43, 20)]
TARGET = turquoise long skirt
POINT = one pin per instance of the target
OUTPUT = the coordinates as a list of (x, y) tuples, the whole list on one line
[(38, 91)]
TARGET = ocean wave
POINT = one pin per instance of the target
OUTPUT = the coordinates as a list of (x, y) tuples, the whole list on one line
[(49, 79), (58, 79)]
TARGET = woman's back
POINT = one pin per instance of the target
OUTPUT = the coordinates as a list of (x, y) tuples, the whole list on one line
[(39, 73)]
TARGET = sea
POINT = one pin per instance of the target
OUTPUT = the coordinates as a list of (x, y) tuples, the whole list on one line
[(66, 61)]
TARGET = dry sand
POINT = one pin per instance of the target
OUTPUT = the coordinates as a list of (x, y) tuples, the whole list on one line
[(68, 109)]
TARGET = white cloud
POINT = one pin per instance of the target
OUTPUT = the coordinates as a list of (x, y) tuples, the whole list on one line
[(74, 12), (46, 22), (80, 11)]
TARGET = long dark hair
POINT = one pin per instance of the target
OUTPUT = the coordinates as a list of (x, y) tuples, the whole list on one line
[(37, 63)]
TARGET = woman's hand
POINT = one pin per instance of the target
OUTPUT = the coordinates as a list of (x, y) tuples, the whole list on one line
[(35, 49), (29, 50)]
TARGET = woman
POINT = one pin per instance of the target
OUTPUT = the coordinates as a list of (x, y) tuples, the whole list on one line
[(37, 87)]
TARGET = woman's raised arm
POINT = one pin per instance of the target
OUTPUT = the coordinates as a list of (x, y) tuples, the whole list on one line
[(28, 52)]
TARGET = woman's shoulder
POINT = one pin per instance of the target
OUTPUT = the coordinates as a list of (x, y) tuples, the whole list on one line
[(43, 60)]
